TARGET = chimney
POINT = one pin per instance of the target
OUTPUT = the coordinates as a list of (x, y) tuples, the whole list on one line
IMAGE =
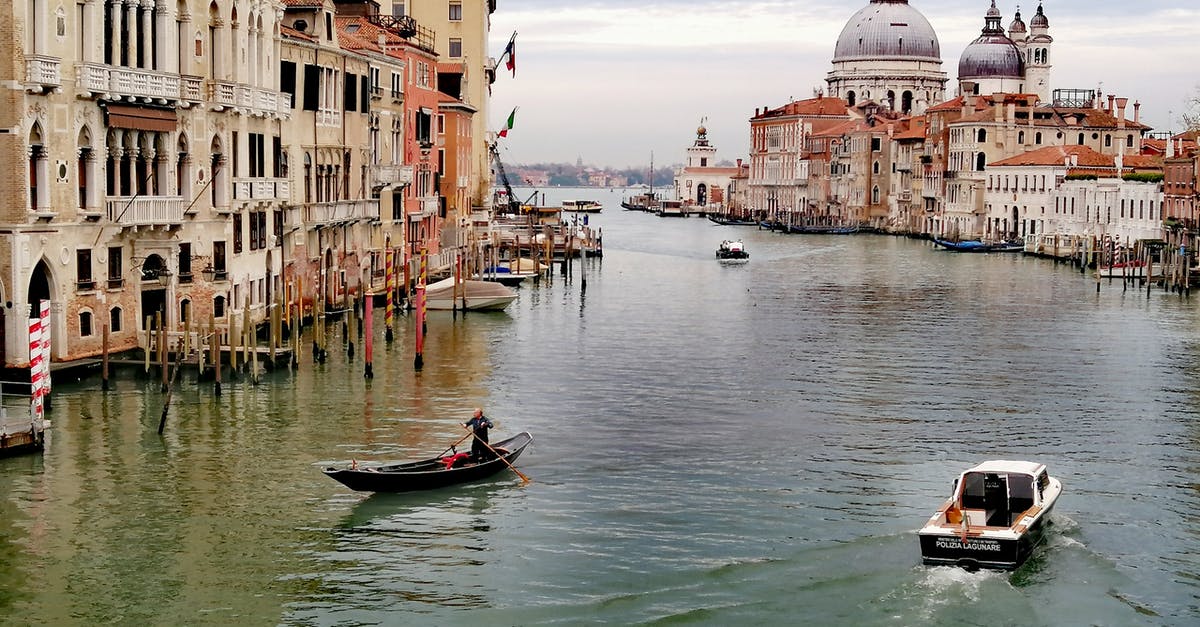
[(1111, 97), (1074, 159), (739, 164), (1137, 114), (1121, 102)]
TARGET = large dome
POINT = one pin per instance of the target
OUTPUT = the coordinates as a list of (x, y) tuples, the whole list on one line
[(991, 56), (888, 29)]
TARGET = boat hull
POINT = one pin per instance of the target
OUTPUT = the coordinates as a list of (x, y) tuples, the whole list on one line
[(948, 549), (427, 474)]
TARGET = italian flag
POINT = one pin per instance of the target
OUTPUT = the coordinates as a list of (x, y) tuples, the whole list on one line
[(509, 124)]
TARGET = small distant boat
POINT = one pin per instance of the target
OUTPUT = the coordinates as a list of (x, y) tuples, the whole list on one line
[(726, 220), (822, 229), (641, 202), (429, 474), (581, 206), (995, 517), (479, 295), (977, 246), (732, 251)]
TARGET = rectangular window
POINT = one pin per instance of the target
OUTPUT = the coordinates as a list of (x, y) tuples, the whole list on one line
[(455, 47), (398, 8), (455, 12), (364, 94), (312, 87), (218, 261), (83, 269), (287, 81), (114, 267), (253, 231), (185, 262), (350, 92), (237, 233)]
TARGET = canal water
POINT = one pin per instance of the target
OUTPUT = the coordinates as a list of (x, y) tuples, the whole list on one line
[(712, 445)]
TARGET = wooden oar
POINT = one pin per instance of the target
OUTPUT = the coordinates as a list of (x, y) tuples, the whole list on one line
[(451, 447), (514, 468)]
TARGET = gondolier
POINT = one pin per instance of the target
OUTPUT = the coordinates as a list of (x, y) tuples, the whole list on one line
[(479, 425)]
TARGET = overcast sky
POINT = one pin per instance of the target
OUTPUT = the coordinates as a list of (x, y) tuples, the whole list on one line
[(611, 81)]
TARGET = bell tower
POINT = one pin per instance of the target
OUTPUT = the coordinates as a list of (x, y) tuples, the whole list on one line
[(1037, 61)]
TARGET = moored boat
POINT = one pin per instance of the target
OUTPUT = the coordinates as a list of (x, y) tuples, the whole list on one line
[(429, 474), (472, 295), (671, 209), (994, 518), (977, 246), (732, 251)]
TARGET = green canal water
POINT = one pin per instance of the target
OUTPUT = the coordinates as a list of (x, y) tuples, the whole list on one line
[(713, 445)]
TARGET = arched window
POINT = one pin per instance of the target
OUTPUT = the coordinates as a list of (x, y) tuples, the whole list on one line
[(906, 102), (982, 135), (114, 319), (1037, 138), (875, 195), (219, 306), (850, 98), (875, 168), (1081, 138), (85, 324), (39, 171), (980, 162), (891, 100), (307, 177), (185, 310), (1021, 137)]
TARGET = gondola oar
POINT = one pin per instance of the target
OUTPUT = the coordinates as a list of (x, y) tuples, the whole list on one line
[(502, 458), (451, 447)]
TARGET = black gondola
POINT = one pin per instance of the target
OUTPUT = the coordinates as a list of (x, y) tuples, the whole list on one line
[(428, 474)]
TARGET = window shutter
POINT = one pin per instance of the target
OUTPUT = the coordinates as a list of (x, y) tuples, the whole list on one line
[(364, 94)]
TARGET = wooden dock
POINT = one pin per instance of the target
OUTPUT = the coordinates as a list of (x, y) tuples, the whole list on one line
[(17, 432)]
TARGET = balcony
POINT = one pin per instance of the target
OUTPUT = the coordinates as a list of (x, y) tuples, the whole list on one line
[(146, 210), (904, 196), (344, 211), (262, 190), (252, 101), (42, 73), (383, 175), (135, 84)]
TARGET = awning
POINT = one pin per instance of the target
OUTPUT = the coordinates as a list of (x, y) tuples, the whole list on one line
[(141, 118)]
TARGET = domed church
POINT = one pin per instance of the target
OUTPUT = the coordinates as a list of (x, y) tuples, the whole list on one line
[(1018, 62), (890, 54)]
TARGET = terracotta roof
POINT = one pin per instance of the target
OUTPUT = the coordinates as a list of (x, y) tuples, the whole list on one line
[(916, 130), (844, 128), (302, 3), (1085, 158), (820, 106), (288, 31), (955, 104)]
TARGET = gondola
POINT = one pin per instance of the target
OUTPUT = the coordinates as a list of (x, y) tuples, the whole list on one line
[(428, 474)]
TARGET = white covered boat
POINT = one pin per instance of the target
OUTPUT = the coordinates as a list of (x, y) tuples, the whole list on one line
[(995, 517), (582, 206), (479, 295), (732, 251)]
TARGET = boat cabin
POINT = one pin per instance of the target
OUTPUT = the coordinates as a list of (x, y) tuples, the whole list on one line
[(998, 493)]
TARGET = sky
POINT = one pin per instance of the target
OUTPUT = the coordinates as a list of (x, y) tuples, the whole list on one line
[(612, 82)]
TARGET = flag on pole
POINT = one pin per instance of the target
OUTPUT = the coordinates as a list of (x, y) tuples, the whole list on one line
[(511, 52), (509, 124)]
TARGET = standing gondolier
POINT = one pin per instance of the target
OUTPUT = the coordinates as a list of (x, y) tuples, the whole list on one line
[(479, 425)]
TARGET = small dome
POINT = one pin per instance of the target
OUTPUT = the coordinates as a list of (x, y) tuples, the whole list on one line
[(1039, 20), (701, 131), (993, 12), (890, 29), (1018, 26)]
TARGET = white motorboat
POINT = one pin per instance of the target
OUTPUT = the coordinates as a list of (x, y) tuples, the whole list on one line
[(995, 517), (472, 295), (732, 251)]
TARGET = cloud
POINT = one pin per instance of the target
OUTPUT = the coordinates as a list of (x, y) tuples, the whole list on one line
[(609, 82)]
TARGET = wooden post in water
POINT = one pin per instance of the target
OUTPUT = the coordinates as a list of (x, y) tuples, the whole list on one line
[(162, 347), (216, 353), (349, 326), (389, 286), (150, 346), (104, 357), (419, 360), (368, 370), (276, 327)]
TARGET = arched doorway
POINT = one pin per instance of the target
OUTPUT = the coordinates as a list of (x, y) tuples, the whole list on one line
[(38, 292), (702, 194), (327, 279), (1016, 216), (154, 294)]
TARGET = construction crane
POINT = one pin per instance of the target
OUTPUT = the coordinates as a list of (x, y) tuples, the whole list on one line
[(514, 205)]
